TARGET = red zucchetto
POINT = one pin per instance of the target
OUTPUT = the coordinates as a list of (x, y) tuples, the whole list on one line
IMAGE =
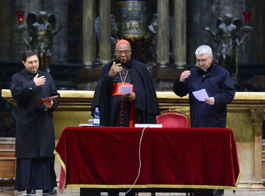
[(122, 41)]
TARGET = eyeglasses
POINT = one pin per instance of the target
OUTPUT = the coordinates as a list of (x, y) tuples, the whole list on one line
[(202, 60), (123, 52)]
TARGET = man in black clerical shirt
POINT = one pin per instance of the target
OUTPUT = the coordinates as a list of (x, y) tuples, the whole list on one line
[(35, 140)]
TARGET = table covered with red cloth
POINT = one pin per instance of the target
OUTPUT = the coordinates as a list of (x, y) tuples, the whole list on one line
[(109, 157)]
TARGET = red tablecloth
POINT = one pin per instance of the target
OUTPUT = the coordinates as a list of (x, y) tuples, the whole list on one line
[(107, 157)]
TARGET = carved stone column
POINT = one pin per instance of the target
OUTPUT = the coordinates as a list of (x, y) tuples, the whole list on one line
[(105, 31), (87, 76), (88, 33), (179, 43), (163, 32), (257, 116), (6, 36), (164, 75)]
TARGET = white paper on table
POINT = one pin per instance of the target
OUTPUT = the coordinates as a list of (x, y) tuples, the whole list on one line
[(201, 95), (126, 89)]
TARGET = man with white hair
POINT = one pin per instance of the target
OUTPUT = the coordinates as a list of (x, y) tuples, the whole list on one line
[(215, 80)]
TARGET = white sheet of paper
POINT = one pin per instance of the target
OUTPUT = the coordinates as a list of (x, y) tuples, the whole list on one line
[(201, 95), (126, 89), (149, 125)]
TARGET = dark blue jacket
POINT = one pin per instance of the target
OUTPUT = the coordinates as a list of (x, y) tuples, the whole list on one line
[(218, 84)]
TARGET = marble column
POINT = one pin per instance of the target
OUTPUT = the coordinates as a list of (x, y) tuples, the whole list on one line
[(5, 36), (87, 76), (88, 33), (105, 31), (179, 41), (257, 116), (163, 32)]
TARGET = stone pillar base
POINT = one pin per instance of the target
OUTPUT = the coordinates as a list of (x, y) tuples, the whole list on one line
[(165, 76), (87, 77), (254, 185)]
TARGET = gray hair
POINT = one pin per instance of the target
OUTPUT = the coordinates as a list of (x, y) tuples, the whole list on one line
[(204, 49)]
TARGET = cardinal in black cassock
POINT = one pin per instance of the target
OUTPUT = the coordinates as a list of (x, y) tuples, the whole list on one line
[(117, 109)]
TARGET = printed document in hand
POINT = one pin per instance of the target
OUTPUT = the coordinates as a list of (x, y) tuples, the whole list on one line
[(201, 95), (126, 89)]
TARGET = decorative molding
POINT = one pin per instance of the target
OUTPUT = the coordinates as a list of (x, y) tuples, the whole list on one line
[(80, 100), (257, 116)]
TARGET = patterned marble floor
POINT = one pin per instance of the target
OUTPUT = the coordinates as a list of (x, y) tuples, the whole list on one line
[(9, 191)]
